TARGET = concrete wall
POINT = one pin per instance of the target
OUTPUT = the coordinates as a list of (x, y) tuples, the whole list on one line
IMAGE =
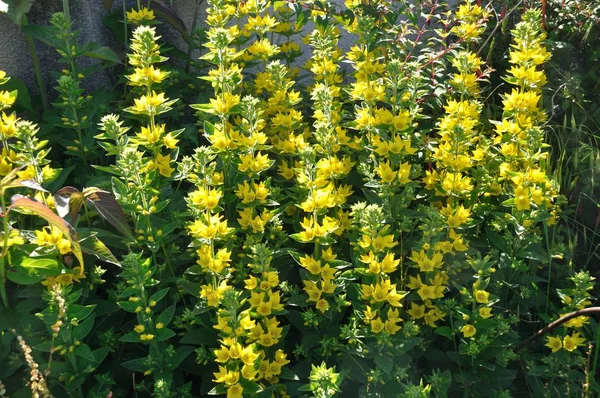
[(87, 17)]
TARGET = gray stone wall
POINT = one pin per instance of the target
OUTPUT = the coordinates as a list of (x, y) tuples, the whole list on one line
[(87, 17)]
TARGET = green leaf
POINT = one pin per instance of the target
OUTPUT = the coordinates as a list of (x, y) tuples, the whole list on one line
[(167, 315), (27, 205), (85, 352), (287, 374), (180, 354), (99, 355), (31, 184), (23, 99), (17, 9), (45, 34), (497, 240), (199, 337), (444, 331), (190, 287), (250, 387), (20, 276), (163, 334), (80, 312), (131, 337), (159, 295), (385, 363), (97, 51), (41, 263), (136, 365), (83, 329), (92, 245)]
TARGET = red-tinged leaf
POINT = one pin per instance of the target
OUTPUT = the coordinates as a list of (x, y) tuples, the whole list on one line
[(169, 16), (68, 200), (31, 184), (27, 205), (109, 209)]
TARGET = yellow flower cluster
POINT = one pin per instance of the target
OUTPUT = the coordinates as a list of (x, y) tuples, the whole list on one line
[(139, 16), (239, 136), (457, 152), (519, 137), (51, 236)]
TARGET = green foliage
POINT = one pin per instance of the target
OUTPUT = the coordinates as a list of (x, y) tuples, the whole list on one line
[(390, 219)]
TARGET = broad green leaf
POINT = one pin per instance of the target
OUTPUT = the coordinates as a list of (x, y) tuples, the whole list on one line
[(136, 365), (92, 245), (84, 351), (167, 315), (45, 34), (131, 337), (159, 295), (17, 9), (21, 276), (170, 17), (97, 51), (384, 363), (83, 329)]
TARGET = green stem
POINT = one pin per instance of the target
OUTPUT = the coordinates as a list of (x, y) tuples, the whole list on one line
[(3, 284), (193, 28), (37, 68), (66, 10), (595, 363), (125, 24), (76, 370), (4, 253)]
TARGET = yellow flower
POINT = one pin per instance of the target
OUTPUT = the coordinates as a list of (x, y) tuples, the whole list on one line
[(377, 325), (428, 292), (554, 343), (416, 311), (235, 391), (139, 328), (136, 16), (404, 173), (468, 330), (485, 312), (146, 337), (7, 98), (386, 173), (521, 101), (206, 198), (522, 198), (572, 342), (577, 322), (153, 104), (14, 237), (457, 217), (50, 236), (151, 135), (481, 296), (147, 76), (263, 49), (322, 305), (8, 125), (223, 104)]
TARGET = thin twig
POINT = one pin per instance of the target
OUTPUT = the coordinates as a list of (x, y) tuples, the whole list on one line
[(558, 322)]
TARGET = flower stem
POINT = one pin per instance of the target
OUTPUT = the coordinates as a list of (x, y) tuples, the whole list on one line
[(4, 252)]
